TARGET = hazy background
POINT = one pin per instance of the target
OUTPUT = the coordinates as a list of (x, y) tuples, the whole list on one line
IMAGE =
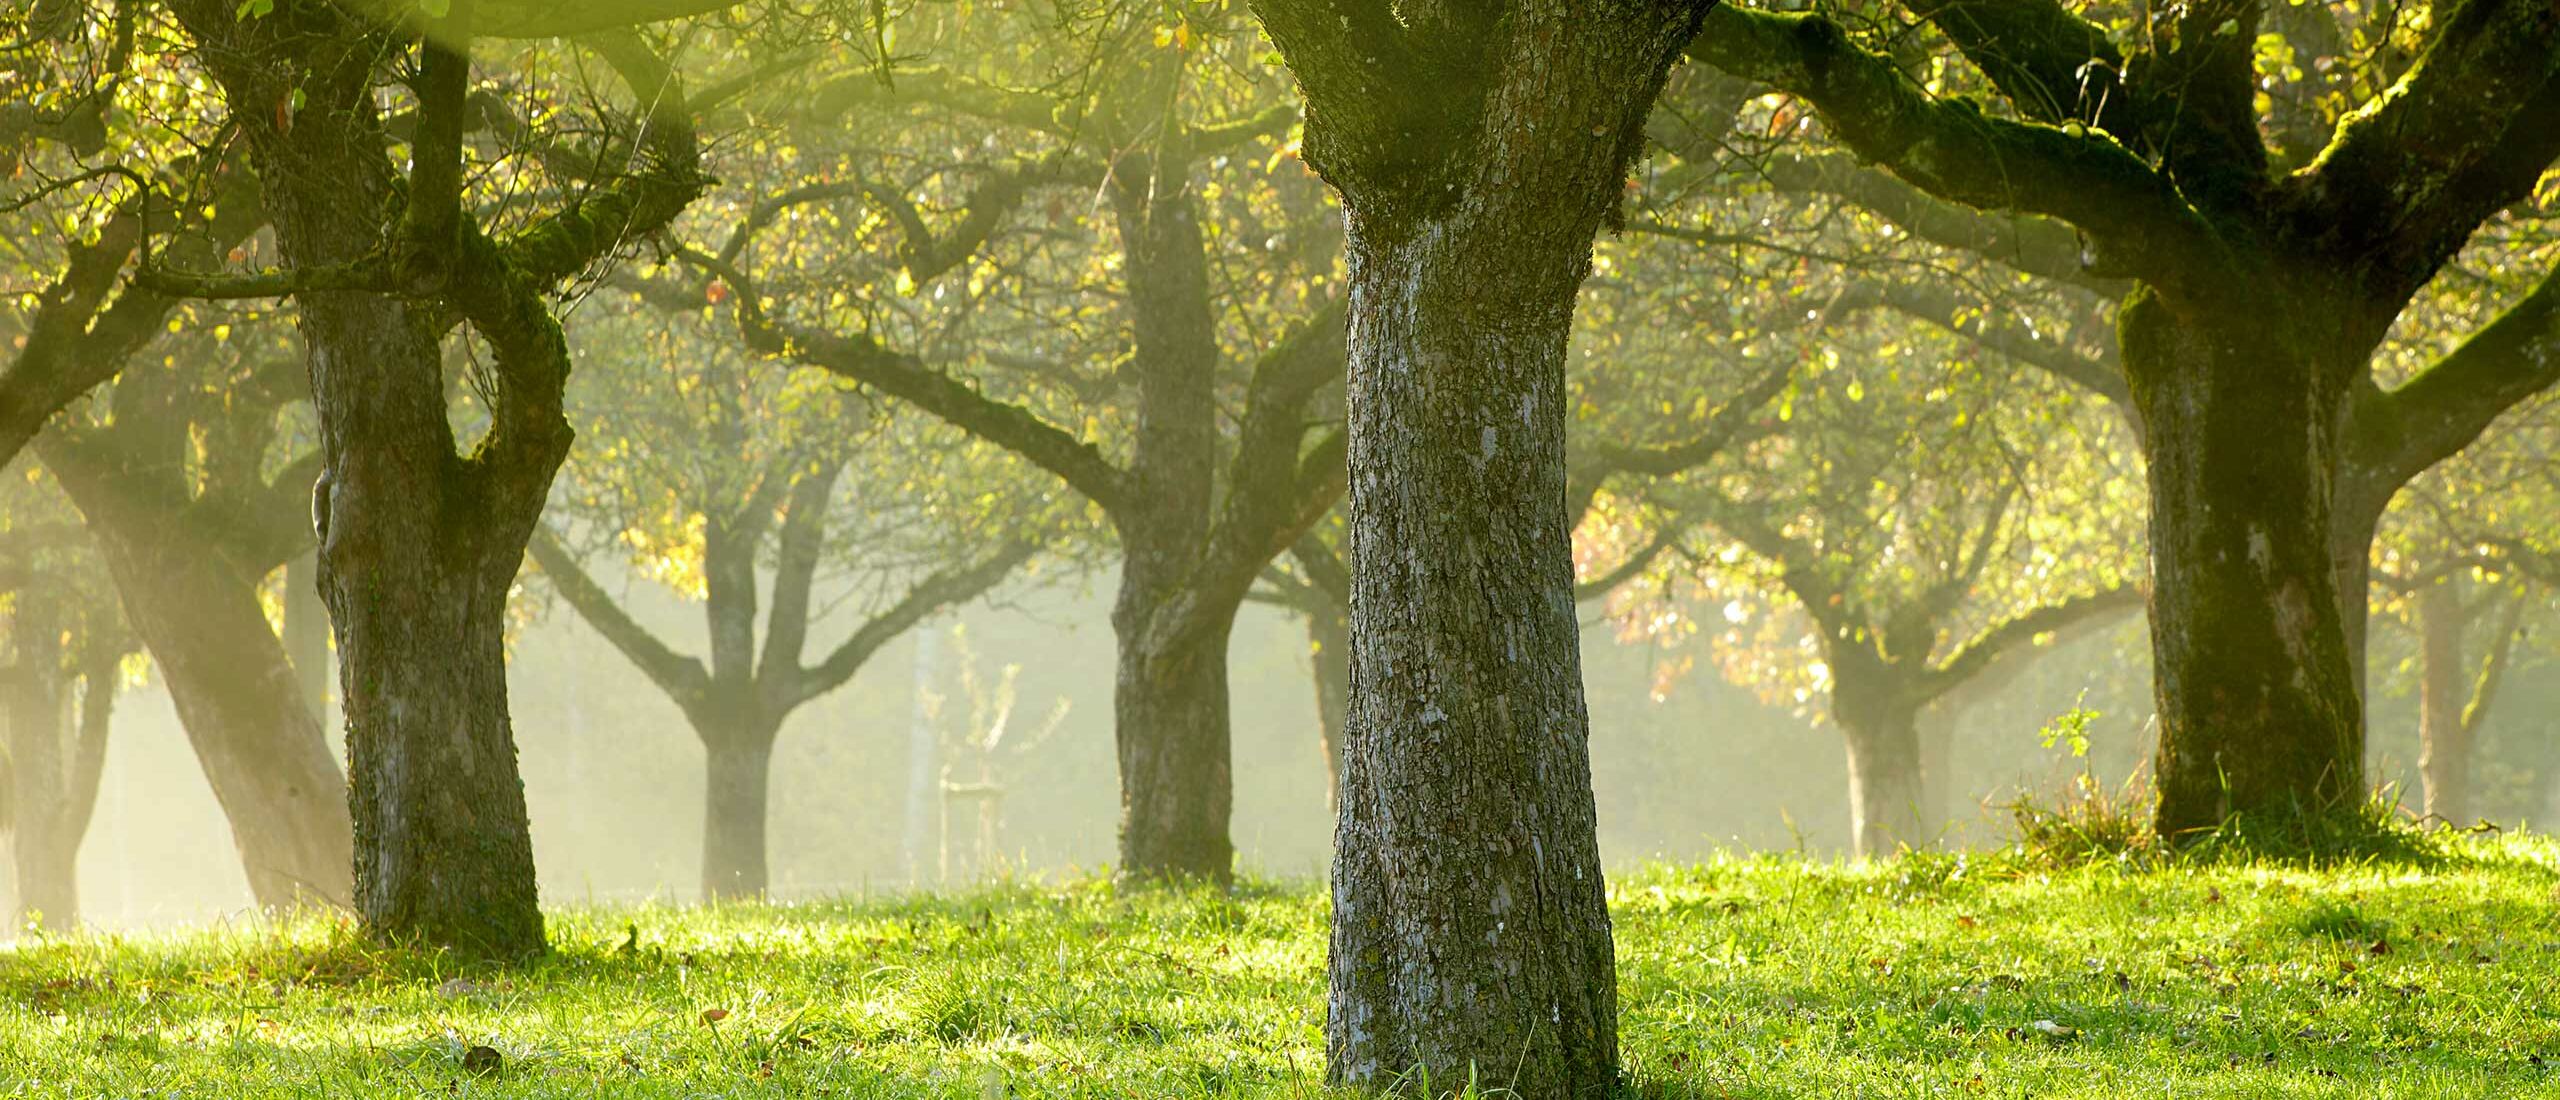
[(614, 775)]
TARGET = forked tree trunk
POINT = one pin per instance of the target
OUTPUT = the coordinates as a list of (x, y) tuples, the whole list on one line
[(2258, 704), (2444, 739), (737, 786), (417, 590)]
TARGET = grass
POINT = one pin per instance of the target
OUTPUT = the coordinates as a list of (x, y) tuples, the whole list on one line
[(1934, 976)]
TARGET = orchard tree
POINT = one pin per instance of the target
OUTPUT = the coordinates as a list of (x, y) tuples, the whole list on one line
[(420, 541), (1477, 150), (65, 662), (1180, 403), (709, 476), (2265, 275), (192, 472)]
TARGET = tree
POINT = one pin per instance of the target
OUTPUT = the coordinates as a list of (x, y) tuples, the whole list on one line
[(176, 477), (2264, 280), (1205, 472), (711, 521), (1477, 150), (66, 656), (420, 542)]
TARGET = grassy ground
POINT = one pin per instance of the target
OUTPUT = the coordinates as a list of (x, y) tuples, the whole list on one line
[(1765, 977)]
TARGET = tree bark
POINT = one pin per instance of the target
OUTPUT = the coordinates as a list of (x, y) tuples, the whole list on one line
[(737, 781), (2444, 739), (1471, 930), (1176, 791), (2248, 629)]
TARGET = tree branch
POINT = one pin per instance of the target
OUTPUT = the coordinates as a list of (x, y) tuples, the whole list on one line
[(949, 587), (683, 678), (1991, 644)]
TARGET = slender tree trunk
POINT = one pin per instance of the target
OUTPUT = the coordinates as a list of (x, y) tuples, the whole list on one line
[(2444, 740), (1329, 646), (48, 892), (1176, 793), (737, 784), (2259, 710)]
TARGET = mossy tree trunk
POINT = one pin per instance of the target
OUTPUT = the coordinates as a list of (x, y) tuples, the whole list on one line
[(1477, 151)]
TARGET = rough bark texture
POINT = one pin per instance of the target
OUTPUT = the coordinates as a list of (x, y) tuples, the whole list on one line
[(1477, 155), (1169, 700), (2248, 629)]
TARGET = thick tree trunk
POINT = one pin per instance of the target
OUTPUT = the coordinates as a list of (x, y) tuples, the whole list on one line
[(419, 543), (2444, 740), (1176, 793), (1887, 787), (737, 782), (1329, 646), (2259, 710), (1471, 927)]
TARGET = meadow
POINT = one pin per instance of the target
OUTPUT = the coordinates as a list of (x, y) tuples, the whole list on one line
[(1770, 976)]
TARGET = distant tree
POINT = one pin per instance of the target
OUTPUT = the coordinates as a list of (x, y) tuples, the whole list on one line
[(2271, 252), (65, 654), (193, 475), (1180, 400), (711, 476)]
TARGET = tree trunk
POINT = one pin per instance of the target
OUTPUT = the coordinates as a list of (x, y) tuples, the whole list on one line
[(2259, 710), (1887, 789), (1170, 697), (1471, 927), (237, 695), (47, 852), (2444, 740), (738, 780), (1176, 793), (419, 543), (1329, 646), (1938, 726)]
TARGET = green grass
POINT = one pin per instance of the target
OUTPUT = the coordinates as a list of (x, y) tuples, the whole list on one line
[(1936, 976)]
